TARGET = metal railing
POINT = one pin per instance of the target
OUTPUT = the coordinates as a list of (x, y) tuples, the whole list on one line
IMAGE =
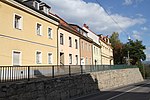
[(16, 73)]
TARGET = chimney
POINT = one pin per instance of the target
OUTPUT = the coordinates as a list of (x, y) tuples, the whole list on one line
[(86, 26)]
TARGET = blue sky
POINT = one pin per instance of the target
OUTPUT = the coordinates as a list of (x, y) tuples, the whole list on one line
[(132, 16)]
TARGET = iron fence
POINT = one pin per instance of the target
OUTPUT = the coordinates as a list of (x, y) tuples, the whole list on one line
[(16, 73)]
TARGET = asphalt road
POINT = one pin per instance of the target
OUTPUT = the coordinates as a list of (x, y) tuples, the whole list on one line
[(139, 91)]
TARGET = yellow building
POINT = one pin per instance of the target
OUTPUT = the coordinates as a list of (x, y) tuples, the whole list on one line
[(106, 51), (28, 34)]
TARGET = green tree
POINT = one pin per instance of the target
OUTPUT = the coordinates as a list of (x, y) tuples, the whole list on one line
[(136, 51), (117, 48)]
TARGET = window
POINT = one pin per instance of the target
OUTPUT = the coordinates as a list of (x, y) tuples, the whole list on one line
[(82, 45), (70, 58), (38, 57), (86, 61), (39, 29), (36, 5), (16, 58), (90, 61), (96, 51), (49, 33), (70, 42), (61, 39), (76, 44), (89, 48), (76, 59), (18, 22), (85, 45), (46, 10), (49, 58)]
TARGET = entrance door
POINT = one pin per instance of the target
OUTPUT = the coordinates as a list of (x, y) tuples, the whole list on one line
[(61, 58), (83, 63)]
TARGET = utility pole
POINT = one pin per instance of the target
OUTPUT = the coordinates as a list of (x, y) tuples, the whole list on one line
[(128, 57), (129, 51)]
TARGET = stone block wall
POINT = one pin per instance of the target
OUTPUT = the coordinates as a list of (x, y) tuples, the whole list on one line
[(68, 87), (116, 78)]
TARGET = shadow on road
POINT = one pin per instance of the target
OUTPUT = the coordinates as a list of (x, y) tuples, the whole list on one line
[(137, 92), (116, 95)]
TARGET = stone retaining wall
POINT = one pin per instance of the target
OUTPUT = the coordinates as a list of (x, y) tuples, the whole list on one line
[(69, 87), (116, 78)]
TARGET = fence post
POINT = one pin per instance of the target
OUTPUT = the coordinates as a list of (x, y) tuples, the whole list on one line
[(69, 70), (28, 73), (81, 69), (52, 71)]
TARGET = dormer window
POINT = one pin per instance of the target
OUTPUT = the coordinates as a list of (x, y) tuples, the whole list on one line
[(45, 8), (36, 5)]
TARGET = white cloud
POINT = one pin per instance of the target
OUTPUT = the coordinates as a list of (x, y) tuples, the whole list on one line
[(130, 2), (136, 35), (144, 28), (148, 57), (147, 52), (148, 48), (139, 15), (80, 12), (127, 2)]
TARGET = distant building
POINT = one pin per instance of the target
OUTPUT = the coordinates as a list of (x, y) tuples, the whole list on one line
[(107, 50), (96, 45), (28, 33), (85, 46)]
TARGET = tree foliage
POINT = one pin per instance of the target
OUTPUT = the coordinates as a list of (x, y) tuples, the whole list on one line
[(120, 50), (136, 51), (117, 48)]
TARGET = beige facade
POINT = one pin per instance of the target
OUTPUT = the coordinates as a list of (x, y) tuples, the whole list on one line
[(96, 54), (106, 50), (22, 40), (68, 41)]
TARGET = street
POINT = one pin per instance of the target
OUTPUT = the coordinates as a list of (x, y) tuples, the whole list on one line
[(139, 91)]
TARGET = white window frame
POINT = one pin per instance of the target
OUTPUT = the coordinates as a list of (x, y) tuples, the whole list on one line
[(76, 44), (51, 57), (62, 43), (20, 23), (70, 41), (51, 33), (20, 60), (70, 60), (40, 29), (76, 57), (46, 10), (36, 57)]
